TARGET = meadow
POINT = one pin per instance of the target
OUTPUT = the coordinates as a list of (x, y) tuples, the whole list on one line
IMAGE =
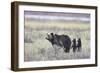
[(37, 48)]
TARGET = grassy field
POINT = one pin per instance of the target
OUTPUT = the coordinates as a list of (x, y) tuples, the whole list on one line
[(37, 48)]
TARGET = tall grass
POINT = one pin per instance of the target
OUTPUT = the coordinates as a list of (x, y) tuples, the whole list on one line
[(37, 48)]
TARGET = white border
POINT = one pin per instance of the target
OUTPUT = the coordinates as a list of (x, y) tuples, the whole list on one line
[(23, 64)]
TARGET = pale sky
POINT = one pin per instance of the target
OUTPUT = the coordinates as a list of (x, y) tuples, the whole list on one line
[(36, 15)]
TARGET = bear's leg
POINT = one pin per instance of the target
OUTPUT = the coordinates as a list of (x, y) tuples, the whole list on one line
[(67, 50), (79, 49), (74, 49)]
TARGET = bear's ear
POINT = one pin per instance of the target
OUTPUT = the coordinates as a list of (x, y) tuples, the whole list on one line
[(52, 34)]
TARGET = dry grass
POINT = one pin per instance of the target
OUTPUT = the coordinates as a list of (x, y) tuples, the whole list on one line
[(37, 48), (40, 49)]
